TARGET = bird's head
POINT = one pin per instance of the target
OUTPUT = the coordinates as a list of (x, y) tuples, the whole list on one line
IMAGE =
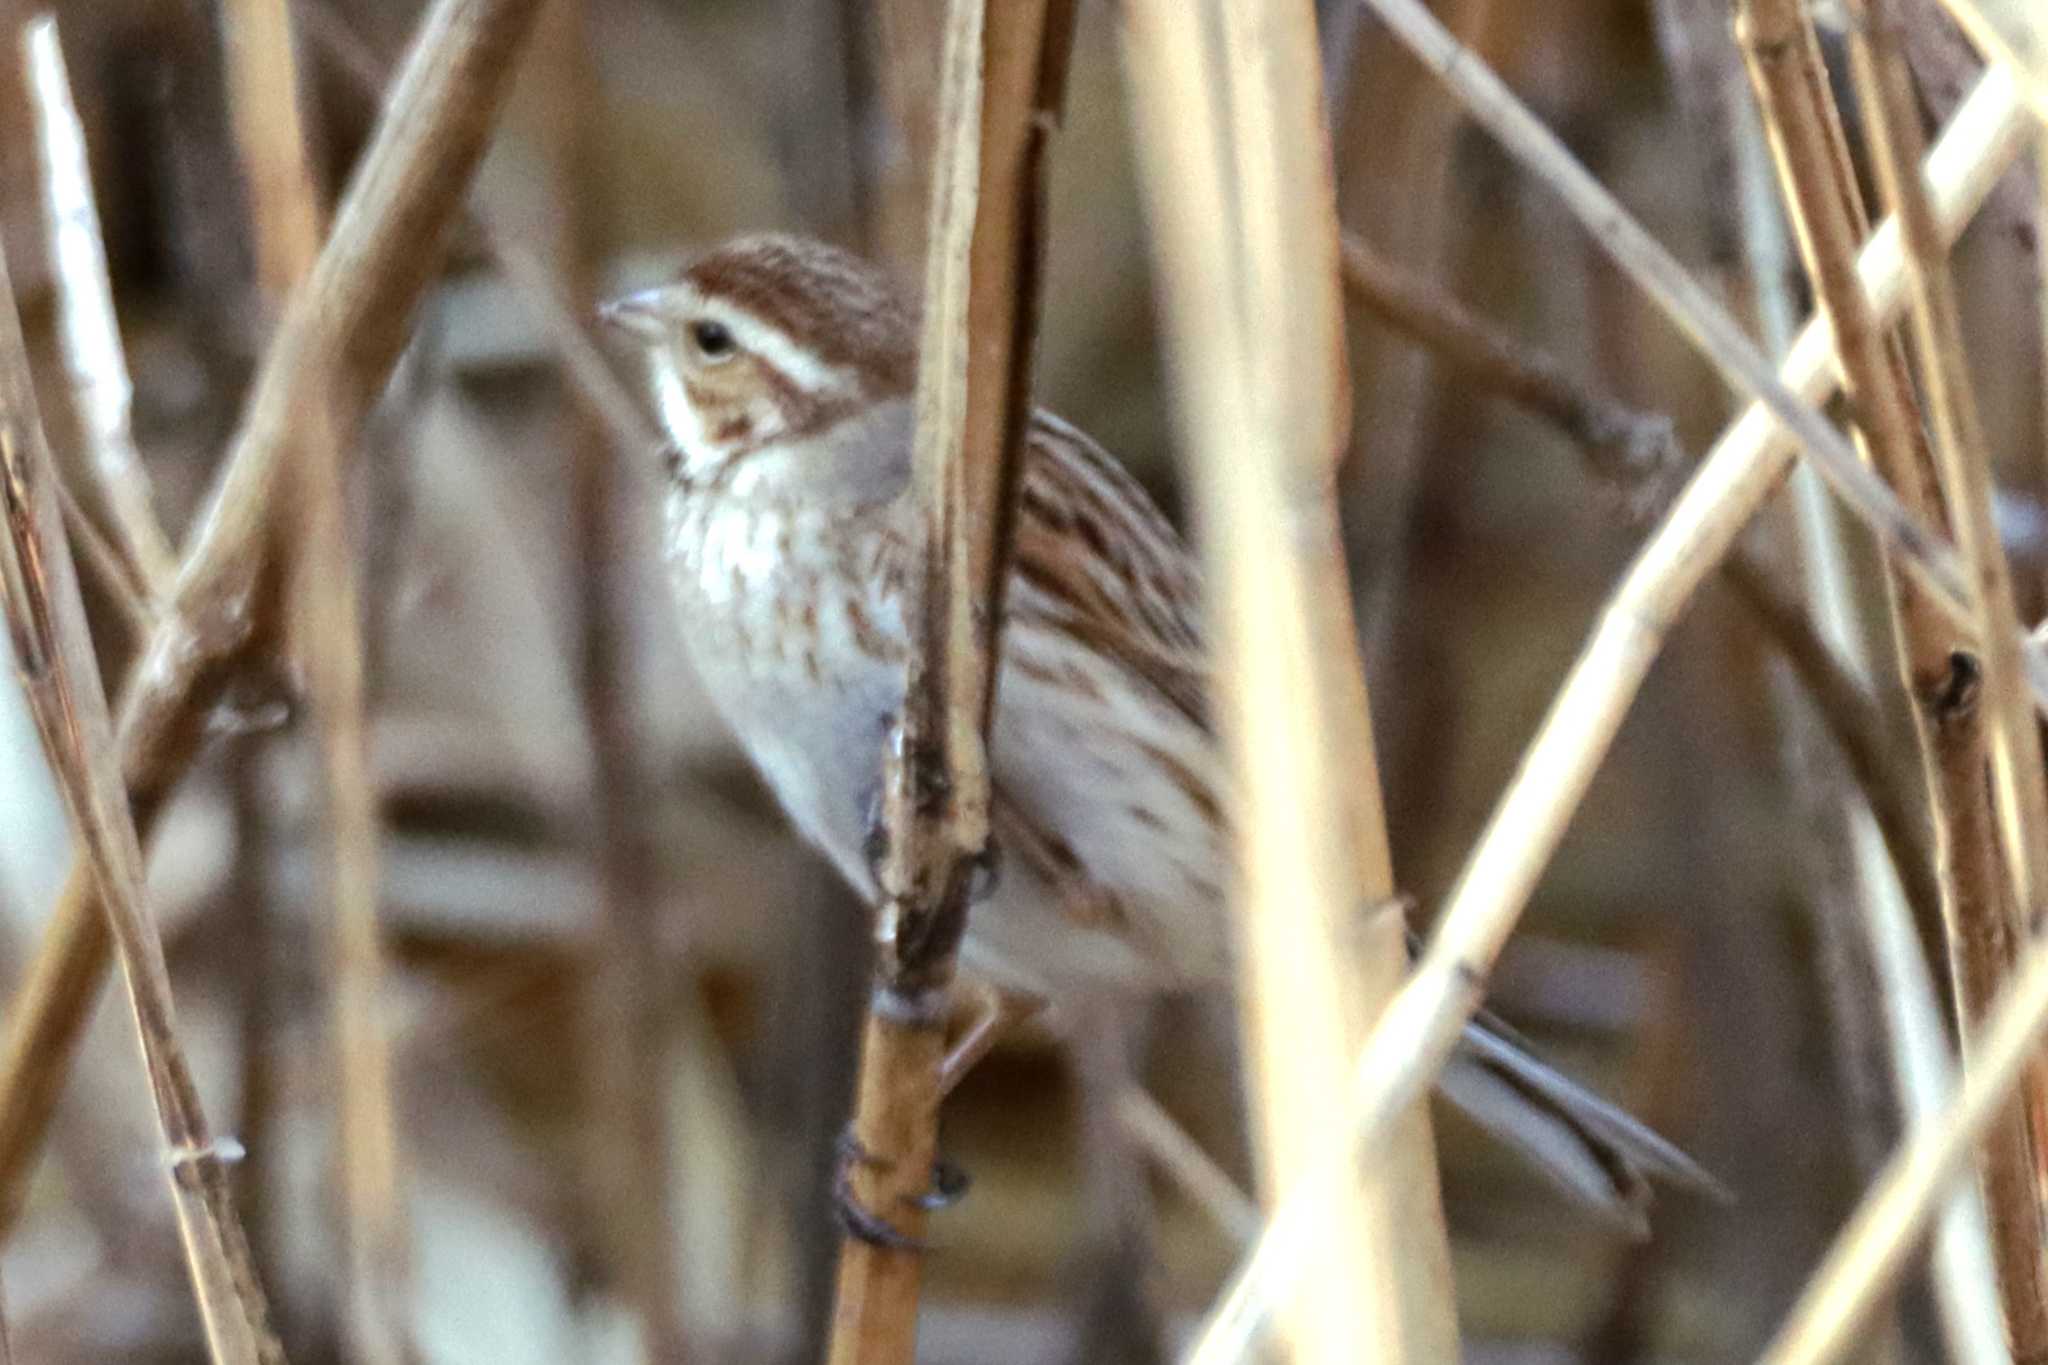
[(765, 341)]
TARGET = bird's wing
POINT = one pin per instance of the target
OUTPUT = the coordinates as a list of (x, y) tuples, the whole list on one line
[(1096, 560)]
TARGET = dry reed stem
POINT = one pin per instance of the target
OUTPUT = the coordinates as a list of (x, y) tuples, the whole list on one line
[(347, 323), (54, 659), (1950, 717), (1637, 453), (88, 329), (110, 569), (1001, 82), (1886, 986), (625, 1007), (1962, 454), (1239, 194), (1884, 83), (270, 132), (1421, 1024), (1872, 1248), (2014, 32)]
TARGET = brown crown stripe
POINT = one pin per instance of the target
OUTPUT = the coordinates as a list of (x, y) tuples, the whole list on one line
[(823, 299)]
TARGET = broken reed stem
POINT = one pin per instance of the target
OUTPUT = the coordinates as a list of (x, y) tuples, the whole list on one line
[(1942, 684), (89, 331), (1001, 82), (1239, 195), (285, 212), (54, 658), (1422, 1023), (342, 330), (1637, 454)]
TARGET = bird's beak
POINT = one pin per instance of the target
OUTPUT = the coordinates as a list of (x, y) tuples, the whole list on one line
[(639, 316)]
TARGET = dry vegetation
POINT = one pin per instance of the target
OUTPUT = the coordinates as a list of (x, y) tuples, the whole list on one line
[(488, 1011)]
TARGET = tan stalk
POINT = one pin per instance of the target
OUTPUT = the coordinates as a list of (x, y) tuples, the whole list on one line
[(264, 100), (1239, 194), (1892, 111), (1421, 1024), (1951, 718), (53, 656), (1000, 85), (88, 329), (346, 324)]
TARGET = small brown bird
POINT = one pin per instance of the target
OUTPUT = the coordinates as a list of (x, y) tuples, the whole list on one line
[(782, 371)]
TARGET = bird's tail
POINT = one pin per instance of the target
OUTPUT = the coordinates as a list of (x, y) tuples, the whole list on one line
[(1588, 1147)]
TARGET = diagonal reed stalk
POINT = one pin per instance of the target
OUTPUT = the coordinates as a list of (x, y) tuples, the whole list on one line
[(53, 655), (340, 334), (1421, 1024), (324, 602), (1001, 82), (1227, 108)]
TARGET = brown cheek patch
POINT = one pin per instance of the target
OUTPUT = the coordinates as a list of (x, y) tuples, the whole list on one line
[(734, 430)]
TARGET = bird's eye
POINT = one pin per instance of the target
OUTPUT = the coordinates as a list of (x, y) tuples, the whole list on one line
[(714, 339)]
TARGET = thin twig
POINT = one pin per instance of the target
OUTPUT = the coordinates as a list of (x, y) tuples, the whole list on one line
[(1637, 453), (54, 657), (1155, 1133), (1228, 123), (112, 572), (91, 334), (343, 329), (1001, 83), (285, 210), (1422, 1023), (1943, 685)]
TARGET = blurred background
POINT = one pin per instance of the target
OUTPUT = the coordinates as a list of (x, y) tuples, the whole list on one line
[(624, 997)]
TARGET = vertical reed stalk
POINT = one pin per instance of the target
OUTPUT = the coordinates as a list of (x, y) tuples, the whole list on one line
[(1234, 155), (1000, 86), (264, 87), (1949, 702)]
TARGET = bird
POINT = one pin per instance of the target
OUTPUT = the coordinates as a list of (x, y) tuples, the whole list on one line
[(781, 372)]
